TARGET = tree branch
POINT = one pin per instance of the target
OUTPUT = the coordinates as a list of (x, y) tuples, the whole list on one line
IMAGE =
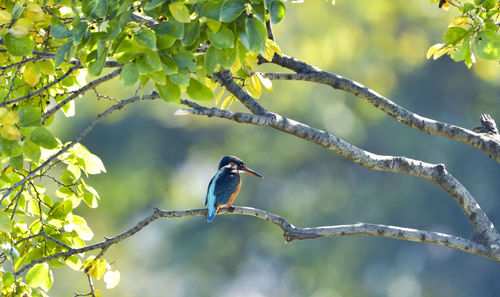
[(90, 126), (291, 233), (483, 227), (487, 143), (81, 91)]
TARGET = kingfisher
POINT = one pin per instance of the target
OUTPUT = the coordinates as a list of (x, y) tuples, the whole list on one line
[(225, 185)]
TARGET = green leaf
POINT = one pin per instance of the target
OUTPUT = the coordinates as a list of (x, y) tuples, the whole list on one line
[(224, 38), (58, 30), (256, 34), (129, 74), (489, 4), (169, 92), (32, 151), (487, 45), (146, 38), (74, 263), (191, 33), (172, 28), (185, 60), (231, 9), (213, 58), (180, 12), (19, 46), (95, 67), (10, 148), (169, 65), (5, 222), (277, 11), (63, 51), (181, 78), (8, 279), (153, 4), (16, 162), (47, 67), (37, 275), (43, 138), (61, 209), (454, 34), (29, 116), (462, 52), (199, 91), (211, 9)]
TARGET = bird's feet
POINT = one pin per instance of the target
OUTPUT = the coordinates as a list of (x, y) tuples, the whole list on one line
[(230, 208)]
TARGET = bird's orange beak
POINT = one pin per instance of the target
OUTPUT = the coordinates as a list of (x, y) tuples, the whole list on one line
[(251, 172)]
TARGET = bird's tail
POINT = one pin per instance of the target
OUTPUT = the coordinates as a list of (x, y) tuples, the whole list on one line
[(212, 210)]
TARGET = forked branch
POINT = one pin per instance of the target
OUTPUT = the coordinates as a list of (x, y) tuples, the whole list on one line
[(290, 233)]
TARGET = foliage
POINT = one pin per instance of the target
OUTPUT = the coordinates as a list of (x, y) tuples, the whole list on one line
[(178, 47), (473, 32), (47, 47)]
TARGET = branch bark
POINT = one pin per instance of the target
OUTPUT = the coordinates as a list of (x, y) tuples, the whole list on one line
[(290, 233), (484, 229), (486, 142)]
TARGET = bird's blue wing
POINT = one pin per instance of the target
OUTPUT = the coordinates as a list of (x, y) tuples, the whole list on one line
[(225, 185)]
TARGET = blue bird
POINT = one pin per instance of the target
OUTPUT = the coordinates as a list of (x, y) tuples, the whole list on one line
[(225, 185)]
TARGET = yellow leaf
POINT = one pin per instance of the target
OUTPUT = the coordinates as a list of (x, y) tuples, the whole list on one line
[(236, 66), (441, 52), (5, 17), (250, 60), (459, 21), (274, 46), (219, 96), (10, 133), (3, 111), (253, 86), (228, 101), (433, 49), (268, 53), (19, 30), (210, 83), (112, 279), (97, 293), (213, 25), (97, 268), (34, 12), (266, 82), (31, 73), (88, 262), (10, 118)]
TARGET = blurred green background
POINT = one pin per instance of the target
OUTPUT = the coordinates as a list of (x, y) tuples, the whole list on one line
[(155, 159)]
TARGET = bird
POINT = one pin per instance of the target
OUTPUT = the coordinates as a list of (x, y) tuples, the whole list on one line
[(225, 185)]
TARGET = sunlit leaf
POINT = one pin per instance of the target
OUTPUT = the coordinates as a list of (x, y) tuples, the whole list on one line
[(198, 91), (43, 138), (487, 45), (112, 278), (434, 48), (5, 222), (180, 12), (37, 275)]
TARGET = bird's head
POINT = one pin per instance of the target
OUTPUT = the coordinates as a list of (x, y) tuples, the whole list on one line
[(238, 164)]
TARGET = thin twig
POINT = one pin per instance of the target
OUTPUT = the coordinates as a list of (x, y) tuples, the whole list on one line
[(81, 91), (90, 126)]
